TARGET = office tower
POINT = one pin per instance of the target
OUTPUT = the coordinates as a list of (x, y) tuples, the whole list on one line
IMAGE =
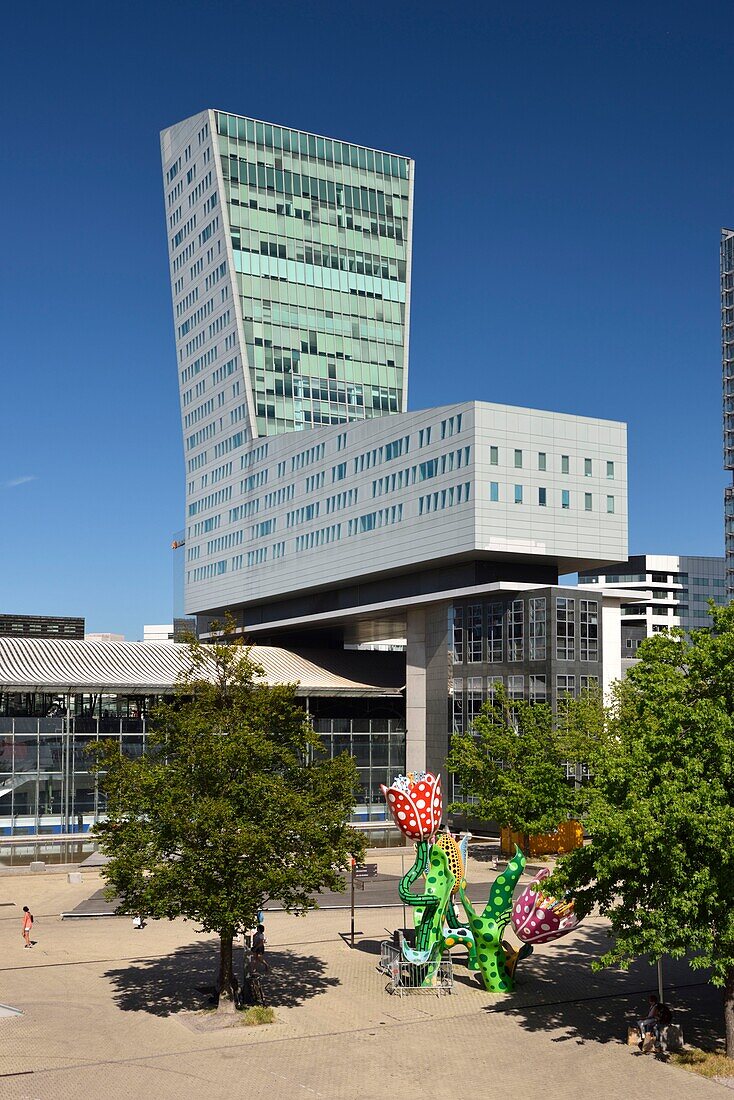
[(290, 268), (727, 355)]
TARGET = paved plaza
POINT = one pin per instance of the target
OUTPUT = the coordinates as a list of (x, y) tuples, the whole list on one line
[(111, 1012)]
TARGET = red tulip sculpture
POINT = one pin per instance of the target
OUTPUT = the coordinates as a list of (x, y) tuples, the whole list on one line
[(415, 802)]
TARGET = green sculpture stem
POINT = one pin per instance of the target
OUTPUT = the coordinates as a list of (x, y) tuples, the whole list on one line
[(489, 927), (430, 907)]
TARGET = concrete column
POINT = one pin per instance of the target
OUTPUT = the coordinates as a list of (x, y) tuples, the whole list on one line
[(611, 644), (415, 691)]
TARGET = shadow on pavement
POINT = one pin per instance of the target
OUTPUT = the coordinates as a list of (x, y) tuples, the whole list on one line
[(557, 991), (184, 980)]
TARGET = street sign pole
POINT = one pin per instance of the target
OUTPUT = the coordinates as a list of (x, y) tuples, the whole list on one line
[(352, 936)]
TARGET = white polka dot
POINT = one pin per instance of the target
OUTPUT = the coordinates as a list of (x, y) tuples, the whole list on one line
[(420, 803), (391, 796), (545, 927), (401, 815), (541, 914)]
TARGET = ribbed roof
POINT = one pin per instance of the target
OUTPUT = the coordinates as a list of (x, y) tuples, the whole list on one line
[(153, 668)]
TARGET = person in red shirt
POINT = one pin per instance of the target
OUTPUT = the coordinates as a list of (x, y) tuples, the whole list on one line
[(27, 925)]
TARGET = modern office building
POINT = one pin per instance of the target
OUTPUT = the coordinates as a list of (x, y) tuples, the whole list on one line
[(41, 626), (448, 527), (56, 697), (727, 357), (671, 591), (158, 632)]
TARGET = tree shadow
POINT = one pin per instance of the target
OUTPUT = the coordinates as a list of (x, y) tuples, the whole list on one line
[(557, 991), (185, 979)]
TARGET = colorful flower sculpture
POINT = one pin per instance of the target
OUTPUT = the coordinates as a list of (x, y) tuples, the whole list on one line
[(440, 862), (415, 804), (537, 918)]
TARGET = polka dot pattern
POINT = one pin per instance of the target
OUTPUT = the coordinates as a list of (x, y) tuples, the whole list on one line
[(534, 916), (416, 804)]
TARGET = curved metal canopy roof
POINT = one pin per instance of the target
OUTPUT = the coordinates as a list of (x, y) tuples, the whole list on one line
[(154, 668)]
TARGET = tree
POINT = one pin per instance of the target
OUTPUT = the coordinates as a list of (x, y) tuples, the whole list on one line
[(512, 760), (232, 804), (661, 814)]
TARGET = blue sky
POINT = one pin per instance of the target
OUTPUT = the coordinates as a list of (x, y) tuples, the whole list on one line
[(574, 168)]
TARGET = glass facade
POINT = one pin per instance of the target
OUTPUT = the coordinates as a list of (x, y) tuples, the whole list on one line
[(46, 786), (320, 237)]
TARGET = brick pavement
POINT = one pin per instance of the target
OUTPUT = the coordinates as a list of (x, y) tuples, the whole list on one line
[(105, 1016)]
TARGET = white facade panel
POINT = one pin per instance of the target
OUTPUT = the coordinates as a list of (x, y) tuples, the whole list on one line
[(346, 502)]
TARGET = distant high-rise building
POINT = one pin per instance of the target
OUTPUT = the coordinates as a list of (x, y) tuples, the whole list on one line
[(727, 355)]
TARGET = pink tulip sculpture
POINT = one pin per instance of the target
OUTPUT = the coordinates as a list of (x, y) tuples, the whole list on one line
[(537, 918)]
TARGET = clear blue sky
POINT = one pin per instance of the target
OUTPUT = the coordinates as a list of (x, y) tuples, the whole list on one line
[(574, 168)]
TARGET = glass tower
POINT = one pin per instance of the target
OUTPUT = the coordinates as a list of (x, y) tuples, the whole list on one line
[(301, 244), (727, 347)]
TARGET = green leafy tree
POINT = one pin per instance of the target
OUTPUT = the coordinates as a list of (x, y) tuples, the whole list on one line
[(512, 760), (661, 815), (233, 804)]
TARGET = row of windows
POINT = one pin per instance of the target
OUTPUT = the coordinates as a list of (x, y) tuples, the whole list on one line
[(444, 498), (423, 471), (519, 497), (542, 459), (372, 521), (469, 695), (386, 453), (326, 150), (485, 632)]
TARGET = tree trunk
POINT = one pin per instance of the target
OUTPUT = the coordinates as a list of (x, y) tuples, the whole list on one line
[(729, 1013), (226, 973)]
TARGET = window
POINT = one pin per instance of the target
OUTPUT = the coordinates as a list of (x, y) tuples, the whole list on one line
[(587, 467), (541, 496), (588, 683), (458, 705), (587, 502), (515, 631), (494, 490), (536, 629), (610, 470), (610, 506), (542, 460), (589, 630), (516, 687), (538, 689), (565, 498), (474, 697), (494, 632), (565, 629), (474, 633), (518, 494), (458, 634), (564, 464), (518, 460), (494, 456), (565, 686), (492, 682)]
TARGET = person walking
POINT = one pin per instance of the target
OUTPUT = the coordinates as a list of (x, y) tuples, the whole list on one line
[(27, 925), (258, 949)]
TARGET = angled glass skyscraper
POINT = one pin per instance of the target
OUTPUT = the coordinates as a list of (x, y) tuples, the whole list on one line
[(727, 355), (290, 269)]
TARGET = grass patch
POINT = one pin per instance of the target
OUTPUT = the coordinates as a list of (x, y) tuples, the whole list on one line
[(258, 1014), (704, 1062)]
